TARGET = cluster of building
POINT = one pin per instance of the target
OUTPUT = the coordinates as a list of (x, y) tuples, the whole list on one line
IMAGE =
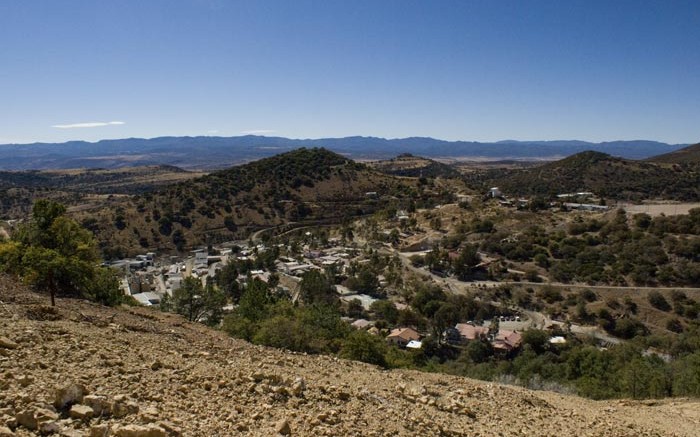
[(580, 201), (496, 193), (317, 259), (503, 341), (147, 280)]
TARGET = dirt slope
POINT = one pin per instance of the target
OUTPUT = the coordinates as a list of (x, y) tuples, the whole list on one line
[(154, 375)]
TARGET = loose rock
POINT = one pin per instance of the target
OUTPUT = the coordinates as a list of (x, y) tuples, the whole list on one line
[(69, 395), (6, 343), (282, 427), (82, 412), (139, 431)]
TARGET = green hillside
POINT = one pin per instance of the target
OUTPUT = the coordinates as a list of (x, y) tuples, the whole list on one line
[(301, 186), (607, 176), (415, 166)]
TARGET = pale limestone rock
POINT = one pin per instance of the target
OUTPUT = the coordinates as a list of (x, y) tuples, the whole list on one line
[(121, 406), (49, 427), (298, 387), (70, 394), (82, 412), (44, 414), (25, 380), (148, 415), (282, 427), (101, 430), (6, 343), (172, 429), (99, 404), (140, 431), (26, 419)]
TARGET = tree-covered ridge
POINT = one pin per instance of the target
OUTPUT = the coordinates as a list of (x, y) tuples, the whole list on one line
[(606, 176), (407, 164), (302, 186), (76, 187), (291, 170), (314, 164), (616, 250)]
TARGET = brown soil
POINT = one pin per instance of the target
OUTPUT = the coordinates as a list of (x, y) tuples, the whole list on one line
[(154, 374)]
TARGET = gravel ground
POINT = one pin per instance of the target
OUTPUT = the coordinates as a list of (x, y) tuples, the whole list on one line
[(85, 370)]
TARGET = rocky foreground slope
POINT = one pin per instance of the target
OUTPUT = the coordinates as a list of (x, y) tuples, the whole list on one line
[(87, 370)]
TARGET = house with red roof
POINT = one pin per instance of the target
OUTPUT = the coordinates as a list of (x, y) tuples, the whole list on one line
[(402, 336), (469, 332), (507, 341)]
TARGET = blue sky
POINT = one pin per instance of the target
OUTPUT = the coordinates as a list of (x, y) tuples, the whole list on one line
[(470, 70)]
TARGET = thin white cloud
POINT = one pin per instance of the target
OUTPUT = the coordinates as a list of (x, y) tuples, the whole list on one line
[(91, 124), (257, 132), (213, 131)]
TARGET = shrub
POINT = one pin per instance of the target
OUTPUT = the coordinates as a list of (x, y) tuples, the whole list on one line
[(657, 300), (362, 346), (674, 325)]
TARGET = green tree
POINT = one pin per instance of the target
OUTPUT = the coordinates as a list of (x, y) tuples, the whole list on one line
[(445, 316), (367, 281), (255, 301), (187, 299), (104, 287), (478, 351), (385, 310), (286, 332), (425, 293), (179, 240), (227, 280), (47, 269), (465, 263), (687, 375), (658, 301), (199, 303), (362, 346), (537, 339), (53, 252), (315, 287), (355, 309)]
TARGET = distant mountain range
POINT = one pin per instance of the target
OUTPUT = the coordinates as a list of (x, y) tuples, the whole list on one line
[(221, 152)]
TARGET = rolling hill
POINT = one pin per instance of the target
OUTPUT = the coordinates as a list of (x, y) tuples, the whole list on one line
[(414, 166), (125, 180), (73, 187), (607, 176), (303, 186), (688, 155)]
